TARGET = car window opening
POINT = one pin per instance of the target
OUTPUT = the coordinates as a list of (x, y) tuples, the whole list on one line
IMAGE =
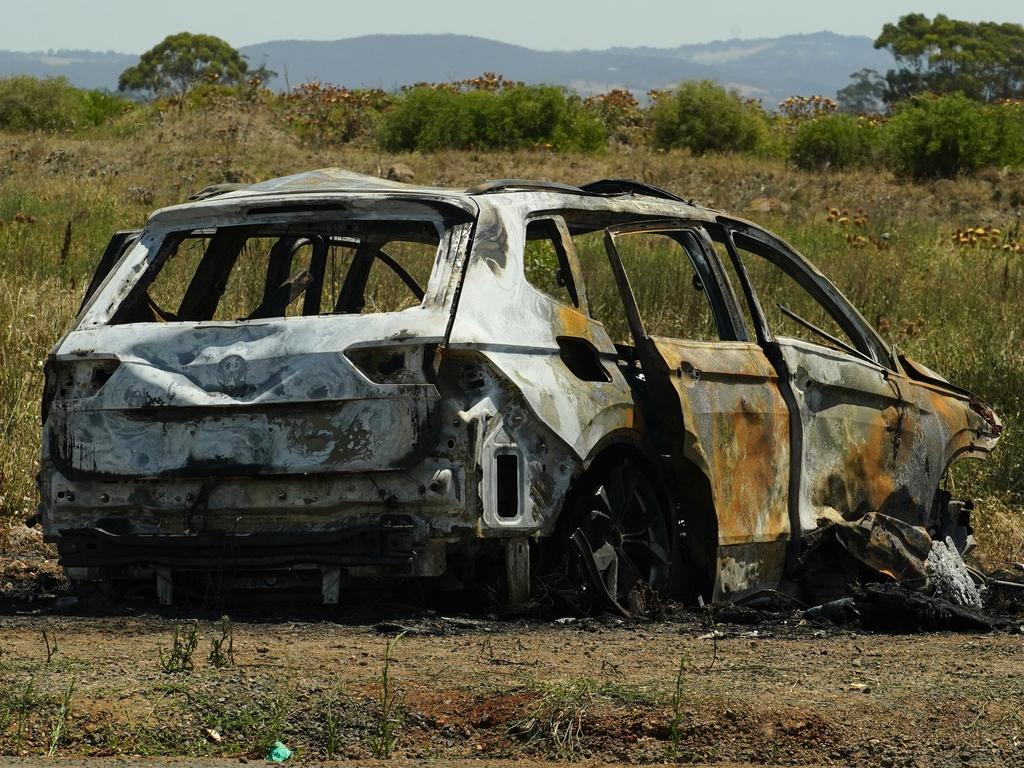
[(790, 310), (276, 271), (546, 262)]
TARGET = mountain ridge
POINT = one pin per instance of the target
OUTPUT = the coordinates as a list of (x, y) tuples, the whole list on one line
[(767, 68)]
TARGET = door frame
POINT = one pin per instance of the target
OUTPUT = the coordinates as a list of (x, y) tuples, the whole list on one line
[(870, 353), (740, 566)]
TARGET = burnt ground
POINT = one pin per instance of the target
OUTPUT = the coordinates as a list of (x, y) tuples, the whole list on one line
[(736, 687)]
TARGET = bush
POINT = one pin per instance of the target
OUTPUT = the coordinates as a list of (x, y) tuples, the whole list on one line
[(1008, 125), (835, 141), (31, 104), (940, 137), (619, 112), (519, 116), (323, 115), (704, 117), (100, 106)]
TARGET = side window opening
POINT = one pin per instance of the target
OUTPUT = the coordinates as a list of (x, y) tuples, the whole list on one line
[(675, 280), (790, 310), (603, 297), (670, 295), (547, 262), (733, 278), (274, 271)]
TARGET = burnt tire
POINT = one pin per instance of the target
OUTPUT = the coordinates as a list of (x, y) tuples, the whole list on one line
[(615, 538)]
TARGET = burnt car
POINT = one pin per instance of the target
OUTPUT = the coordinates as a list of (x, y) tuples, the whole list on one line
[(595, 390)]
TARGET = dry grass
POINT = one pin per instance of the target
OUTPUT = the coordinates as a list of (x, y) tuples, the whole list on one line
[(956, 310)]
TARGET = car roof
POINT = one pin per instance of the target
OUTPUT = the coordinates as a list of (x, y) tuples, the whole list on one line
[(327, 180)]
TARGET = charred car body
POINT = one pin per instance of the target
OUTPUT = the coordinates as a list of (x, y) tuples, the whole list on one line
[(602, 387)]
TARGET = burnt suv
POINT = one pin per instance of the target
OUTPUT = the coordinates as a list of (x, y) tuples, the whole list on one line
[(329, 377)]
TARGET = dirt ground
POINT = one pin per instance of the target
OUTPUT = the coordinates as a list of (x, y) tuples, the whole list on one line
[(94, 684), (775, 692)]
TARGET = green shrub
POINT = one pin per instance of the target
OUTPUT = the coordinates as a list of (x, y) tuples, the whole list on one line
[(31, 104), (520, 116), (430, 119), (775, 140), (100, 106), (704, 117), (52, 104), (940, 137), (1008, 125), (834, 141)]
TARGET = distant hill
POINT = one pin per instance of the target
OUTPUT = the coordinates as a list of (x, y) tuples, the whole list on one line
[(86, 69), (770, 69)]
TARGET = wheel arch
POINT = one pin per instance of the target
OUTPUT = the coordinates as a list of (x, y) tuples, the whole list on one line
[(686, 495)]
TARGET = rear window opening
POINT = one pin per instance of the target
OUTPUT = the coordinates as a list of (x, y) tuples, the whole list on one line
[(285, 270)]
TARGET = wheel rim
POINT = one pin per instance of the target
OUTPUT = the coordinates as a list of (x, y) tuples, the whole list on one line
[(624, 523)]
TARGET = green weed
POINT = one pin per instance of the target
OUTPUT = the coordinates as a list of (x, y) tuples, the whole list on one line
[(677, 717), (16, 708), (388, 723), (58, 729), (222, 649), (332, 707), (183, 646)]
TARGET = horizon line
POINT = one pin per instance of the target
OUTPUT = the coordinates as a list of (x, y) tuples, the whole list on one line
[(56, 51)]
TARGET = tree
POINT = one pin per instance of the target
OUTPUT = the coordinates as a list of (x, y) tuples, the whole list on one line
[(181, 61), (865, 95), (984, 61)]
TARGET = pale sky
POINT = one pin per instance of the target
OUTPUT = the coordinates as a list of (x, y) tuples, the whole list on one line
[(132, 26)]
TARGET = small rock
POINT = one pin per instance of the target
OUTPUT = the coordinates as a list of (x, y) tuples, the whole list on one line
[(712, 635), (142, 195), (860, 687), (401, 172)]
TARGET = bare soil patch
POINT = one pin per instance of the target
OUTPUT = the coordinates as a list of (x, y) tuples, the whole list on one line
[(783, 691)]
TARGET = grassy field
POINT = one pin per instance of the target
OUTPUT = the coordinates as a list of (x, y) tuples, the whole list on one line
[(957, 309)]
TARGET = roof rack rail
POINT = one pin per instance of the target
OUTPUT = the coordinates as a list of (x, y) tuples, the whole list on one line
[(215, 189), (504, 185), (628, 186)]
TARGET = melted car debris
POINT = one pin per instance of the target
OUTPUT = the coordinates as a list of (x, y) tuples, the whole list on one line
[(486, 431)]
